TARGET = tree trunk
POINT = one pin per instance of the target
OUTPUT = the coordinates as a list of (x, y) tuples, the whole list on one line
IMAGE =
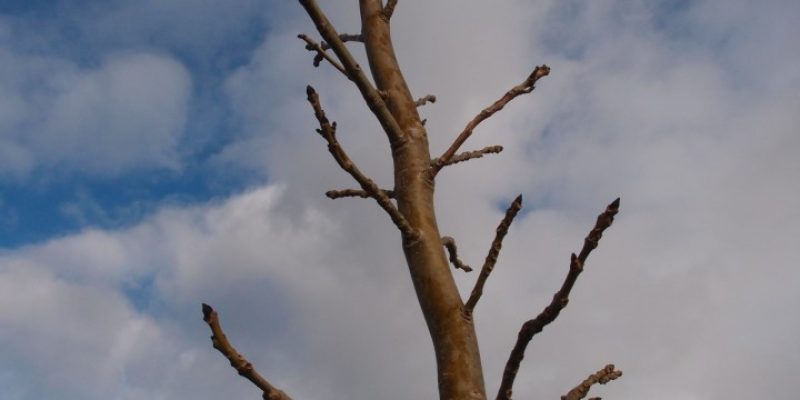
[(452, 331)]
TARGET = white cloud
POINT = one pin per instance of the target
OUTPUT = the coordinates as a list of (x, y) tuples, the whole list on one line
[(127, 113)]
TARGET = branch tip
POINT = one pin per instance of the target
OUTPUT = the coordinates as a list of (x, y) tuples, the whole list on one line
[(558, 303)]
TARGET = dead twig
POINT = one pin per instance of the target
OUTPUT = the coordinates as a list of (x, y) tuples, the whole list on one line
[(450, 244), (494, 251), (338, 194), (468, 155), (526, 86), (238, 362), (344, 37), (560, 300), (428, 98), (311, 45)]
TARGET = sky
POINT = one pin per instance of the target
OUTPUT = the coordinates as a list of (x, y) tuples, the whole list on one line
[(159, 154)]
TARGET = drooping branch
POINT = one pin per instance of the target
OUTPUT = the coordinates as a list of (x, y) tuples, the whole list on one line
[(526, 86), (560, 300), (468, 155), (450, 244), (494, 251), (338, 194), (428, 98), (388, 9), (373, 99), (238, 362), (311, 45), (603, 376), (328, 131)]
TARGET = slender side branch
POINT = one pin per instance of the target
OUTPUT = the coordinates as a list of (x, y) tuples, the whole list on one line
[(428, 98), (311, 45), (238, 362), (338, 194), (388, 9), (345, 37), (373, 99), (468, 155), (494, 251), (328, 132), (560, 300), (603, 376), (526, 86), (450, 244)]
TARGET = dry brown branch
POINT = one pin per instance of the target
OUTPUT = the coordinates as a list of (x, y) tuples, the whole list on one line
[(373, 99), (494, 251), (526, 86), (450, 244), (311, 45), (338, 194), (603, 376), (344, 37), (328, 132), (238, 362), (388, 10), (468, 155), (560, 300), (428, 98)]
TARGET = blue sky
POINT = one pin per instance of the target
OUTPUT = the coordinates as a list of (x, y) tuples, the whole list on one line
[(159, 154)]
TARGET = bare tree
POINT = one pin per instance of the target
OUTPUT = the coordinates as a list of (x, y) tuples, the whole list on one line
[(410, 206)]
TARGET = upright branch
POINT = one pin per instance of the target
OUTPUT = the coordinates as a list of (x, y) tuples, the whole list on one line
[(373, 99), (526, 86), (388, 9), (328, 132), (494, 251), (560, 300), (603, 376), (238, 362)]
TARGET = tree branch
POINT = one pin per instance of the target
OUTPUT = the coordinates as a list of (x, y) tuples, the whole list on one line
[(344, 37), (450, 244), (311, 45), (468, 155), (560, 300), (603, 376), (328, 132), (338, 194), (238, 362), (388, 9), (494, 251), (373, 99), (428, 98), (526, 86)]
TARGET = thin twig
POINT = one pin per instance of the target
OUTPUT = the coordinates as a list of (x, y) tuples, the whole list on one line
[(311, 45), (450, 244), (526, 86), (603, 376), (469, 155), (560, 300), (338, 194), (328, 132), (494, 251), (238, 362), (344, 37), (388, 9), (374, 101), (428, 98)]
